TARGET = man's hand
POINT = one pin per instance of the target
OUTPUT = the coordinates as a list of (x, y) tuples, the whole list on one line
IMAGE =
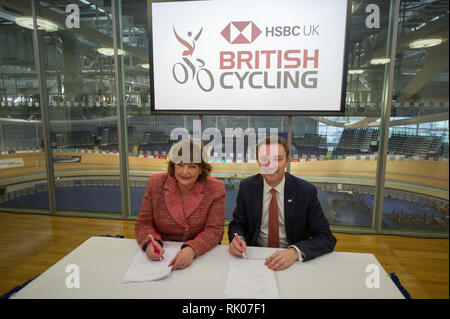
[(237, 250), (183, 259), (151, 253), (282, 259)]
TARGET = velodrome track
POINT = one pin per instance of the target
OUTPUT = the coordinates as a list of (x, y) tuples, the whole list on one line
[(424, 177)]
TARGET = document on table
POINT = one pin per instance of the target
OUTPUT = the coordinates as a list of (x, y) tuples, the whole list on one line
[(250, 279), (144, 269)]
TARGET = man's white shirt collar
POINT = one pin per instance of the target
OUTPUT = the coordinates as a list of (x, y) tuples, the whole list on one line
[(279, 188)]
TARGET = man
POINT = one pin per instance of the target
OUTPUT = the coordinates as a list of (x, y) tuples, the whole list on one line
[(277, 209)]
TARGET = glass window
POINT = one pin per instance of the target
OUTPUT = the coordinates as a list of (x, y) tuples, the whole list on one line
[(23, 174), (416, 187), (339, 154), (79, 70)]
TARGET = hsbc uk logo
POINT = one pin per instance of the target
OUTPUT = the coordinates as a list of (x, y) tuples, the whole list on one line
[(245, 32), (241, 32)]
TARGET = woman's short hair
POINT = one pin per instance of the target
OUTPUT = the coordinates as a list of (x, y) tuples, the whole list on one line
[(188, 151)]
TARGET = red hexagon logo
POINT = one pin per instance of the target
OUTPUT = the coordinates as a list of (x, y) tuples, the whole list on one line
[(241, 32)]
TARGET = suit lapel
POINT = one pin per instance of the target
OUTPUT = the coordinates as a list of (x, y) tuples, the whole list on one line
[(289, 205), (195, 197), (257, 204), (173, 202)]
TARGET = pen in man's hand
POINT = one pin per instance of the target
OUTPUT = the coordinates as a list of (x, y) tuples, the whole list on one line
[(239, 243)]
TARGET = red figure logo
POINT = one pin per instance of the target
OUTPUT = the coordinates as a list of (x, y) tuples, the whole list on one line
[(241, 32), (190, 47)]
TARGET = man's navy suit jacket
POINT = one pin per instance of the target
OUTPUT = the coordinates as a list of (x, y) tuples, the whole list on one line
[(306, 226)]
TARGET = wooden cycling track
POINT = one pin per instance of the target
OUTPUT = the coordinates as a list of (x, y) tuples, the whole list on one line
[(423, 177)]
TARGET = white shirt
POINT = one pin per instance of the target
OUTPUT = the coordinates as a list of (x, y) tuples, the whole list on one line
[(263, 237)]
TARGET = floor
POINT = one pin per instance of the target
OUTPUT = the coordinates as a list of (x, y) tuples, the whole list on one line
[(29, 244)]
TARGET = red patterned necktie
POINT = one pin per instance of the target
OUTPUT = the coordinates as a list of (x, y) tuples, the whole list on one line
[(274, 237)]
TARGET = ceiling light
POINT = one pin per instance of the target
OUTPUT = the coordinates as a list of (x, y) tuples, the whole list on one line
[(421, 26), (424, 43), (355, 71), (145, 65), (380, 61), (27, 22), (409, 73), (109, 51)]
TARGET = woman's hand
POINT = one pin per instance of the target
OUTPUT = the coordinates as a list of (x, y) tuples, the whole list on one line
[(183, 259), (151, 253)]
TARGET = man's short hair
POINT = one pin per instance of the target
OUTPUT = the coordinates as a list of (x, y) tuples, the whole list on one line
[(267, 141)]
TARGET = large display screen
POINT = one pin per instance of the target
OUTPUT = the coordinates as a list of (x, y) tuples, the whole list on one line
[(248, 56)]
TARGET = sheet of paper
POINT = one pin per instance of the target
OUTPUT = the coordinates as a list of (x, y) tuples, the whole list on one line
[(143, 269), (250, 279)]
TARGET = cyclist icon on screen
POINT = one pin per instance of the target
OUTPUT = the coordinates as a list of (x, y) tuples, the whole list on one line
[(180, 72)]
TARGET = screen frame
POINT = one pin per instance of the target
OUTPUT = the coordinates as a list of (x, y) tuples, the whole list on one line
[(153, 111)]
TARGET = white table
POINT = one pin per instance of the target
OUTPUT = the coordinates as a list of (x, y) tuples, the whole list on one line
[(103, 262)]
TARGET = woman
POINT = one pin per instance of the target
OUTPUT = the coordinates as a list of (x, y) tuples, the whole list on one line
[(185, 204)]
